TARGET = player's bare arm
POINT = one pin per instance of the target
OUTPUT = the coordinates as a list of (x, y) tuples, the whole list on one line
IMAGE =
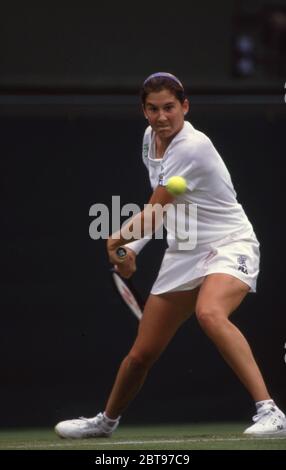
[(147, 221)]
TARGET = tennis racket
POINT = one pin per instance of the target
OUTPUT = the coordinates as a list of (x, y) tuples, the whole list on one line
[(126, 290)]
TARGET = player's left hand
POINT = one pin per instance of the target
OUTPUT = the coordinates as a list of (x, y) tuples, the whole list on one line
[(128, 267)]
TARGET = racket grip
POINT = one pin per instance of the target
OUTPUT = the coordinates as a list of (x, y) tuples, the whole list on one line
[(121, 253)]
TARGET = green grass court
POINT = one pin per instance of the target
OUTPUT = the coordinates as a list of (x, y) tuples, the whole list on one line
[(157, 437)]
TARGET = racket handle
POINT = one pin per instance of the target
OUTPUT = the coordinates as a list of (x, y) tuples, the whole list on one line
[(121, 253)]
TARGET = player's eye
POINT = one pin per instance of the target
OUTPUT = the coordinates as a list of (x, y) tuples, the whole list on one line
[(169, 107)]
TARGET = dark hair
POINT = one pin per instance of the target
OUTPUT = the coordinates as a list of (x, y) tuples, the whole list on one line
[(162, 81)]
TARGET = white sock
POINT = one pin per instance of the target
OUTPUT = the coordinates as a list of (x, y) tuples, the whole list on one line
[(261, 403), (109, 420)]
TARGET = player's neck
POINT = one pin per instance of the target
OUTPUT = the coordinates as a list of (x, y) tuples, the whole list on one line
[(161, 146)]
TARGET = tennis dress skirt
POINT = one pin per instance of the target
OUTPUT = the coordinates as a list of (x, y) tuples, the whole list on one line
[(237, 255)]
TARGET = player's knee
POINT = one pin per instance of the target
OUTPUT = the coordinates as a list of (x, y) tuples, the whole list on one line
[(209, 317), (142, 359)]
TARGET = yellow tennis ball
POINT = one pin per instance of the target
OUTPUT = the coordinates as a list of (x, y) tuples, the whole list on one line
[(176, 185)]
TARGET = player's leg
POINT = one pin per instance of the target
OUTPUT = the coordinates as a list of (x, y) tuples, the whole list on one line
[(219, 296), (163, 315)]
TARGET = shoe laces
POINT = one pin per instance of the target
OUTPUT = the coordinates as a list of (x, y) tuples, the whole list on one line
[(96, 420), (264, 414)]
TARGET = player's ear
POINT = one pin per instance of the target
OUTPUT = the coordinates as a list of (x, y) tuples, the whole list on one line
[(186, 106), (144, 112)]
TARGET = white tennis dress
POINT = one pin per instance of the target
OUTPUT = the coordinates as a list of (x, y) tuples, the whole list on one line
[(220, 237)]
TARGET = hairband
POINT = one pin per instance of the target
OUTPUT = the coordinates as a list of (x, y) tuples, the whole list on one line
[(163, 75)]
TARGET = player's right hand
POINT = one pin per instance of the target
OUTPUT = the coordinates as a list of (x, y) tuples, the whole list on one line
[(128, 267)]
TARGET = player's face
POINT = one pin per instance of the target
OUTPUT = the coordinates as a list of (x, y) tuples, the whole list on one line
[(165, 113)]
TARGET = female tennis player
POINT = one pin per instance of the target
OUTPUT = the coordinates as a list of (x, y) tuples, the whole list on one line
[(209, 277)]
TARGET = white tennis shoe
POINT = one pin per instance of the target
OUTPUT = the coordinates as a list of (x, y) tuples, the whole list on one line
[(84, 428), (269, 421)]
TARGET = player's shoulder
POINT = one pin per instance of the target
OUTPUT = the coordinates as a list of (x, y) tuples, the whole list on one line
[(197, 138), (146, 144), (192, 141), (147, 133)]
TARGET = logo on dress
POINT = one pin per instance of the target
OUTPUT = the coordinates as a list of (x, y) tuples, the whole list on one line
[(241, 259), (145, 150)]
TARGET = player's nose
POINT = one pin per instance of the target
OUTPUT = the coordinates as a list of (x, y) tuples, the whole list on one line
[(162, 116)]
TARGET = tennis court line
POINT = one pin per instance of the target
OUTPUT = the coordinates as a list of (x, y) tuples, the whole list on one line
[(97, 443)]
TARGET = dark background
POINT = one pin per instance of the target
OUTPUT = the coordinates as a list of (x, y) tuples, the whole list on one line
[(70, 132)]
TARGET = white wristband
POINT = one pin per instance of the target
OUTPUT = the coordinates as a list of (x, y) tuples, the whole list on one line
[(137, 245)]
